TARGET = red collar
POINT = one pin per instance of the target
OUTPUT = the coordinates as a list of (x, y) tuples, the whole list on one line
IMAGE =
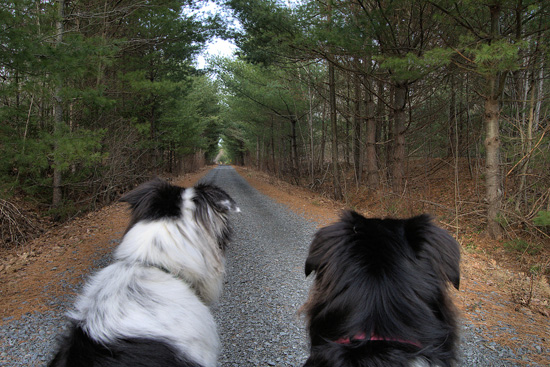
[(374, 337)]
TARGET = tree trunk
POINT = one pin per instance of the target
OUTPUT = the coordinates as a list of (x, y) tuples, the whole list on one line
[(311, 136), (492, 163), (273, 159), (453, 141), (357, 122), (57, 196), (373, 178), (381, 122), (257, 152), (348, 142), (240, 158), (388, 133), (323, 137), (540, 96), (527, 146), (294, 148), (492, 139), (398, 168), (334, 128)]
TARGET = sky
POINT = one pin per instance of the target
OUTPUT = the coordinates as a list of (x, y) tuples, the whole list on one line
[(218, 47)]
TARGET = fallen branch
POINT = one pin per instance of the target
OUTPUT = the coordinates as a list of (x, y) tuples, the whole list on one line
[(16, 228)]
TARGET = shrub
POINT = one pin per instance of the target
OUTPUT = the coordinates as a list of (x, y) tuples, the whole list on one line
[(522, 246), (542, 219)]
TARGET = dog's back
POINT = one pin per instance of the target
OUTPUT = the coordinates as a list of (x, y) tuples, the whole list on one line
[(80, 350)]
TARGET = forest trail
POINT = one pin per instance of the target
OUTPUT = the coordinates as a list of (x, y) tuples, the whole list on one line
[(51, 265)]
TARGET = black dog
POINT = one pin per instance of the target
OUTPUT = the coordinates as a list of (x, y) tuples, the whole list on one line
[(380, 293)]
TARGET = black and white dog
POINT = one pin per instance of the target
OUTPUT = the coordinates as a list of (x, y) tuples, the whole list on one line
[(380, 295), (150, 307)]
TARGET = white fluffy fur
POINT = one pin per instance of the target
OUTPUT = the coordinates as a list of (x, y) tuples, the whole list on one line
[(136, 297), (166, 309), (420, 362)]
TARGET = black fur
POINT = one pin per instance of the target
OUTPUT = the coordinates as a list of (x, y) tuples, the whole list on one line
[(80, 350), (157, 199), (154, 200), (382, 277), (211, 196)]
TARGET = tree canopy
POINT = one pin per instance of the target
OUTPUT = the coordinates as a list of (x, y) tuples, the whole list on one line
[(378, 96), (392, 88), (100, 94)]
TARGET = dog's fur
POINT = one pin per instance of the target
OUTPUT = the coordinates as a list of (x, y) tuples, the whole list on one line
[(380, 296), (150, 307)]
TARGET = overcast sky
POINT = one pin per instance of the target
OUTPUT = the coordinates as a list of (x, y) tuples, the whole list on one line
[(217, 47)]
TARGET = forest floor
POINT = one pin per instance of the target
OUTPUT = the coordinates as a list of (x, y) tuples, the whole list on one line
[(496, 293)]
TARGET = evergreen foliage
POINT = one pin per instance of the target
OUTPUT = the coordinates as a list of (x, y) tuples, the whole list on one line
[(409, 82), (132, 103), (321, 91)]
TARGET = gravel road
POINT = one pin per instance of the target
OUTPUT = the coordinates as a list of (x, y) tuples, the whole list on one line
[(264, 287)]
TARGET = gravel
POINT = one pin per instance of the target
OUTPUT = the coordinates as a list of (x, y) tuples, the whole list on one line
[(264, 287)]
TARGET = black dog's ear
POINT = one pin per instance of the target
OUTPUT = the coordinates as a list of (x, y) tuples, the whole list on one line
[(319, 247), (315, 254), (442, 248), (328, 239)]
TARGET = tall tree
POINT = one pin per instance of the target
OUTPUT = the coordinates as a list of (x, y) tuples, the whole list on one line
[(272, 91), (333, 114), (435, 77), (405, 32), (58, 109), (493, 36), (88, 89)]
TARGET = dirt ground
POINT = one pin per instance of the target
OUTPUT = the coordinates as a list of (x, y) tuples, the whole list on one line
[(492, 295)]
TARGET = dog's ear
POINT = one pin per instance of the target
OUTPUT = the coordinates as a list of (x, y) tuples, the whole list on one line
[(216, 197), (137, 195), (441, 247), (318, 248), (328, 239), (314, 256), (153, 200)]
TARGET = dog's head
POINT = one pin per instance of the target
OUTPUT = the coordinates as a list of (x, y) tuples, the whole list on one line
[(180, 231), (205, 204), (382, 277), (379, 241)]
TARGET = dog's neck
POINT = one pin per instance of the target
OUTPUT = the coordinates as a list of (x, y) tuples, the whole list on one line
[(177, 276), (160, 267), (373, 337), (187, 251)]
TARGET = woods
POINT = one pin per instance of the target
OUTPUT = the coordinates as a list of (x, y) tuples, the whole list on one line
[(395, 101), (98, 95), (389, 95)]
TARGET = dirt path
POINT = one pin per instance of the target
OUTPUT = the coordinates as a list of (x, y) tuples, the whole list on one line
[(29, 277)]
